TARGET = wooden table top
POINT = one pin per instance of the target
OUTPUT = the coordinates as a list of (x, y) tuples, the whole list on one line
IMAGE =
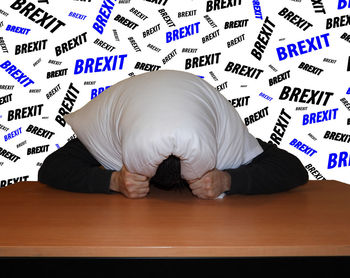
[(39, 221)]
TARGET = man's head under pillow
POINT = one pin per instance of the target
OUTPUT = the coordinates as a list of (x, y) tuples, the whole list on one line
[(167, 125)]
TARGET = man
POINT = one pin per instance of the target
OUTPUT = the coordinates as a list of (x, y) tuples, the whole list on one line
[(73, 168), (192, 120)]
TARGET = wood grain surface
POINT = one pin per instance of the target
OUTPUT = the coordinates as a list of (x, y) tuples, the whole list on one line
[(39, 221)]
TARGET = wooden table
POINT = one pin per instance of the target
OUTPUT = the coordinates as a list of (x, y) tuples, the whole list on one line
[(39, 221)]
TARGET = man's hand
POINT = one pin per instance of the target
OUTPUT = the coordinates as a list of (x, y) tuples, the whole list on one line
[(211, 185), (130, 184)]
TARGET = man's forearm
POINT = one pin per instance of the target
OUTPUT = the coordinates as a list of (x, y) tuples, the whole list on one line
[(73, 168), (275, 170)]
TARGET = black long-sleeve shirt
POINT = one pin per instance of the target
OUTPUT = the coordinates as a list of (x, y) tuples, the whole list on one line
[(73, 168)]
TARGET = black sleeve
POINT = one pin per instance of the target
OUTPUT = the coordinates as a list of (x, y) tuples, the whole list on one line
[(274, 170), (73, 168)]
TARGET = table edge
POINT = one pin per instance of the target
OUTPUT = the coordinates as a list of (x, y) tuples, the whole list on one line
[(169, 251)]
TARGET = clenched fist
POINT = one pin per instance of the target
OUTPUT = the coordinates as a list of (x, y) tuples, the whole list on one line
[(211, 185), (129, 184)]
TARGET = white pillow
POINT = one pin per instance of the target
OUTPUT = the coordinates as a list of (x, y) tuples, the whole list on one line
[(140, 121)]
